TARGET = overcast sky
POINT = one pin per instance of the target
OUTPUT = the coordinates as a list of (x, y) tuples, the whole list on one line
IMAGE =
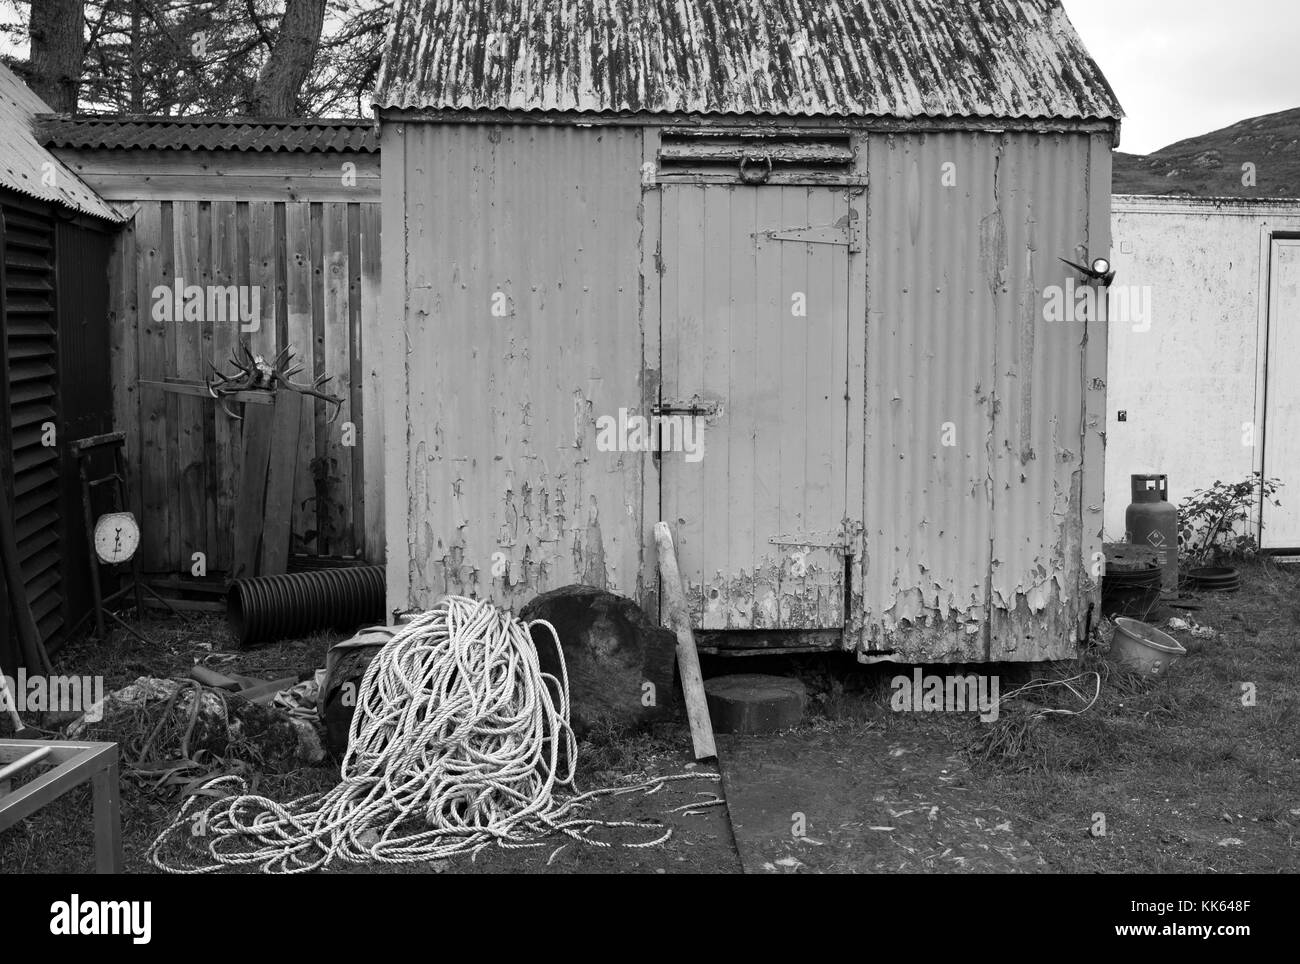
[(1185, 67)]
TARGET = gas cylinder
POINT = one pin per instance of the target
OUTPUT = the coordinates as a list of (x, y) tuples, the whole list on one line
[(1151, 520)]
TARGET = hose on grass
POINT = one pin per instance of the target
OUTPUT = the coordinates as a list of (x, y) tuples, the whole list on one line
[(458, 741)]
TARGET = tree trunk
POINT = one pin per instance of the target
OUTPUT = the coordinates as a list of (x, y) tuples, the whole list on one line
[(276, 94), (58, 46)]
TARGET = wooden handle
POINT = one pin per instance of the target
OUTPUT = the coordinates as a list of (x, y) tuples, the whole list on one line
[(678, 619)]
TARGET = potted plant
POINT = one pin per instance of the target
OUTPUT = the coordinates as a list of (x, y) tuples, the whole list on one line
[(1214, 529)]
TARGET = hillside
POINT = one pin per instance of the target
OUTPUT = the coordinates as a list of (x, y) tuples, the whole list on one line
[(1210, 165)]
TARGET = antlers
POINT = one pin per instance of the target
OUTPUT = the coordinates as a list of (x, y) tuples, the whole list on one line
[(254, 374)]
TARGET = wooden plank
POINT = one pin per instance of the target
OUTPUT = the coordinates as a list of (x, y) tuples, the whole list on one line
[(191, 412), (250, 503), (172, 459), (210, 472), (261, 273), (227, 432), (152, 269), (124, 355), (200, 390), (278, 515), (355, 462), (209, 587), (185, 605), (320, 485), (369, 420), (298, 296), (185, 187), (216, 166), (281, 279), (677, 617), (336, 515)]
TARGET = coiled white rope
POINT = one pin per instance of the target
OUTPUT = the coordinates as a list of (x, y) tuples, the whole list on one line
[(458, 741)]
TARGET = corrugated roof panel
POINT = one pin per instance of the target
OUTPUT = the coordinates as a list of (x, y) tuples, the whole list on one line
[(314, 136), (26, 166), (847, 58)]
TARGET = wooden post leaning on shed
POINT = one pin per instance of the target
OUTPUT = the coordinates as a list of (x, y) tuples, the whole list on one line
[(678, 619)]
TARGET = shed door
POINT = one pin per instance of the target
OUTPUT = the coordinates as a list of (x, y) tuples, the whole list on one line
[(754, 329), (1282, 411)]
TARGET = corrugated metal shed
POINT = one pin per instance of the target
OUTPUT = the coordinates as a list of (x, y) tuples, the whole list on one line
[(845, 58), (314, 136), (26, 166)]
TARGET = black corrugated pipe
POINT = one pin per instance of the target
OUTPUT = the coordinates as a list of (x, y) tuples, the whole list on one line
[(266, 608)]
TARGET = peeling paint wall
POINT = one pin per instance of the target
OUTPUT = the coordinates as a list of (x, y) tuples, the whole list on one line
[(1190, 377), (522, 253), (984, 421), (530, 304)]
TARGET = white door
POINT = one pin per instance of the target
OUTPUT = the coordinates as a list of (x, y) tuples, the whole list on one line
[(1282, 401), (755, 333)]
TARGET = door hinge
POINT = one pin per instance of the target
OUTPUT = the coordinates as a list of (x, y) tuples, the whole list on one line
[(846, 231)]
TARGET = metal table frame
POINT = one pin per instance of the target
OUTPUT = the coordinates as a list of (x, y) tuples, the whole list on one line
[(75, 763)]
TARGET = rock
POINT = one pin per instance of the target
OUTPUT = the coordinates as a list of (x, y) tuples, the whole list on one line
[(753, 703), (620, 662)]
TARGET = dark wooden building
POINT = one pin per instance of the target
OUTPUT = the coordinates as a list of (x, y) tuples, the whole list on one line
[(55, 237)]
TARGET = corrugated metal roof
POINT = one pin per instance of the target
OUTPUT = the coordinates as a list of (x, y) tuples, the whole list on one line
[(318, 135), (848, 58), (26, 166)]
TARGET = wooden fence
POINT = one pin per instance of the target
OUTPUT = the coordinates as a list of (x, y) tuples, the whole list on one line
[(308, 276)]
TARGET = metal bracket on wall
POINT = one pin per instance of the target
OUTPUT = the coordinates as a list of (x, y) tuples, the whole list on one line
[(846, 231)]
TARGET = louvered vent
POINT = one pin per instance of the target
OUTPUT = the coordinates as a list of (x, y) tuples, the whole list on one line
[(755, 158), (33, 352)]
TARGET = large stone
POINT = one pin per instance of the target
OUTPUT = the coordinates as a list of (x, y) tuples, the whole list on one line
[(620, 663), (753, 703)]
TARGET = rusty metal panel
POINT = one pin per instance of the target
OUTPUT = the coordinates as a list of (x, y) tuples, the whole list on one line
[(522, 330), (845, 58), (301, 135), (975, 409), (27, 167), (755, 323), (929, 394), (1040, 572)]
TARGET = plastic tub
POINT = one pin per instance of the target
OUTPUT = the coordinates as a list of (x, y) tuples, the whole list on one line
[(1144, 649)]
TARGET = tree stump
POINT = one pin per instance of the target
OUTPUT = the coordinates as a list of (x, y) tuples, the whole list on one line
[(620, 662)]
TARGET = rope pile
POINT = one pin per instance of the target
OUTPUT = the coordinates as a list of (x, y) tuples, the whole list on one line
[(458, 741)]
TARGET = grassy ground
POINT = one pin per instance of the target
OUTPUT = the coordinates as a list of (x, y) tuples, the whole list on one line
[(1187, 778), (58, 839)]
